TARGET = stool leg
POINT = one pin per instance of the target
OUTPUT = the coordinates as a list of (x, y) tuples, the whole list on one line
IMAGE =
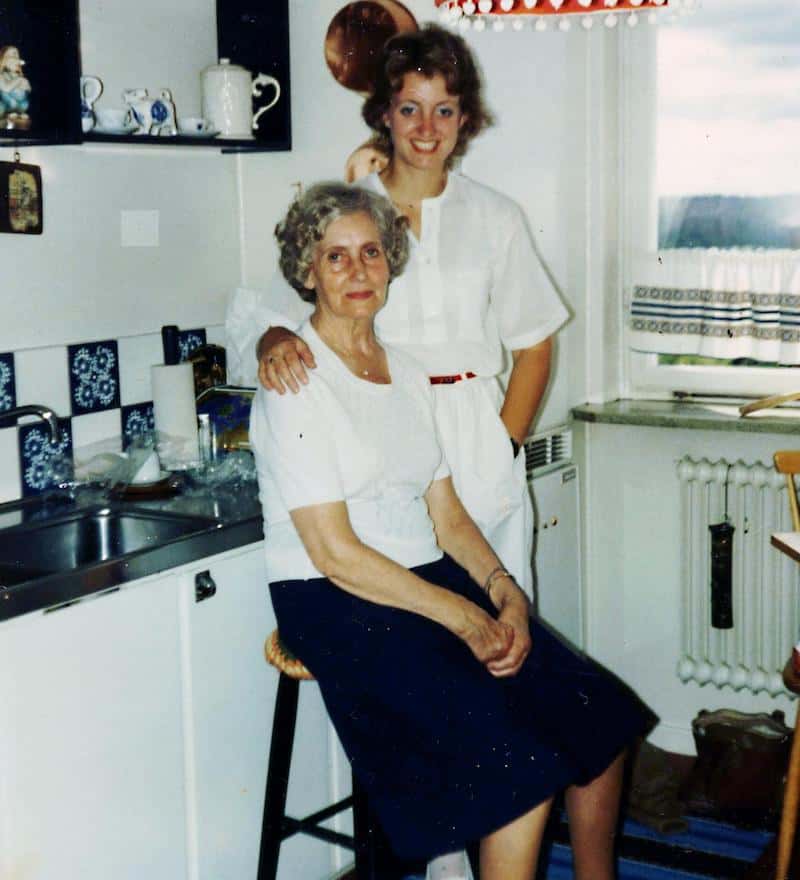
[(474, 855), (363, 835), (280, 760), (375, 859)]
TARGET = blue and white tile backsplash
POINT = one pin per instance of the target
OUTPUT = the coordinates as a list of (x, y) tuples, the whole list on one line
[(189, 340), (79, 382), (93, 376), (42, 463), (137, 420), (8, 393)]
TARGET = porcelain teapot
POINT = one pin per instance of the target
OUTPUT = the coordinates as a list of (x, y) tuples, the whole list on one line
[(228, 92)]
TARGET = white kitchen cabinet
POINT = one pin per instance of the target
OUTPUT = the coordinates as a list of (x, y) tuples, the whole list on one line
[(229, 696), (92, 764), (135, 729)]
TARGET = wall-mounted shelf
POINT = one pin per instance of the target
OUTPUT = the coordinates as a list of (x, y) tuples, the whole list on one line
[(252, 33), (226, 145)]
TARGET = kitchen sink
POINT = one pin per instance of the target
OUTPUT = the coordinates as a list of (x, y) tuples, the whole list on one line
[(87, 537)]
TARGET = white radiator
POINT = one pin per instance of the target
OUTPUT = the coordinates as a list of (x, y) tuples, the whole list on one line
[(766, 621), (554, 486)]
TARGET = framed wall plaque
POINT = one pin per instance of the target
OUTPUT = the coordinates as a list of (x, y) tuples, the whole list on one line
[(20, 198)]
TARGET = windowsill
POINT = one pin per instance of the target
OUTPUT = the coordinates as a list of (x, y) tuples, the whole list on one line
[(681, 414)]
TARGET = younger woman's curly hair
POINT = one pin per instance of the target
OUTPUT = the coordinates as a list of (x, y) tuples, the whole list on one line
[(314, 210), (429, 51)]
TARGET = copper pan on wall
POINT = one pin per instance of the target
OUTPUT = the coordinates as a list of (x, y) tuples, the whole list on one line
[(356, 35)]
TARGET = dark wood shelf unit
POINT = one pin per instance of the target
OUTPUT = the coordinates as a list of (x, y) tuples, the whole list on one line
[(255, 34), (252, 33)]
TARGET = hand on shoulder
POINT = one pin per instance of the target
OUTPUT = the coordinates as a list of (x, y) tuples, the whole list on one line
[(283, 357)]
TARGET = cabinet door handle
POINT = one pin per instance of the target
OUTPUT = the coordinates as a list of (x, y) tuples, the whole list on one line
[(204, 586)]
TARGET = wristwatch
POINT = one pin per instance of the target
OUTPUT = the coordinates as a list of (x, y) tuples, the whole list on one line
[(515, 446)]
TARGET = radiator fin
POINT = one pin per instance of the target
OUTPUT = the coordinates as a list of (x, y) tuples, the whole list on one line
[(544, 452), (765, 582)]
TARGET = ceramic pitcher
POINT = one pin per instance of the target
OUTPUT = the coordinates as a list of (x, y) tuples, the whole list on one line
[(228, 92), (91, 89)]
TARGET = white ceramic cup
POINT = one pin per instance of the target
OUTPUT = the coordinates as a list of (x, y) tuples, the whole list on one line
[(193, 125), (112, 118)]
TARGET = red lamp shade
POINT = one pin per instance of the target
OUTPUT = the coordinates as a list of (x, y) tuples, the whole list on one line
[(550, 7)]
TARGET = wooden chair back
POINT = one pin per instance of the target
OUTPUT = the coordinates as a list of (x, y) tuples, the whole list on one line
[(787, 462)]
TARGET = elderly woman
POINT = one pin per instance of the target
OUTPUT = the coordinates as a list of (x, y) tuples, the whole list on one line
[(460, 715)]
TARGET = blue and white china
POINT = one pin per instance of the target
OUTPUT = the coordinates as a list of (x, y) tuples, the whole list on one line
[(151, 115), (91, 89), (113, 120), (195, 126)]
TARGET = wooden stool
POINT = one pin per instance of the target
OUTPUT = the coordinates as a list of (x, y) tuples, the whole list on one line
[(791, 790), (277, 826)]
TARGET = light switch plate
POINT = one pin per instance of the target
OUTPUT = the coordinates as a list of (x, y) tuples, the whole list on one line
[(139, 228)]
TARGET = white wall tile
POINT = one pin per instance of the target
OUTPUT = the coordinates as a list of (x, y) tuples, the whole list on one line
[(95, 433), (42, 377), (216, 334), (9, 465), (136, 355)]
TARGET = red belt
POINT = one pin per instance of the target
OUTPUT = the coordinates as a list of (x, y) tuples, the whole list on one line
[(451, 380)]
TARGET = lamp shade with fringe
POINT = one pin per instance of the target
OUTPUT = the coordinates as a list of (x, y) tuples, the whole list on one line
[(475, 13)]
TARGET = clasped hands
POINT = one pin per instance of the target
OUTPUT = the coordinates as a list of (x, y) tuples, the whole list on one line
[(501, 644)]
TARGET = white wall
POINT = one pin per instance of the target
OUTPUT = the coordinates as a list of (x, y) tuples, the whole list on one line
[(76, 282)]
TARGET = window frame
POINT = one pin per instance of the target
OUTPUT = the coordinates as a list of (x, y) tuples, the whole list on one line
[(643, 376)]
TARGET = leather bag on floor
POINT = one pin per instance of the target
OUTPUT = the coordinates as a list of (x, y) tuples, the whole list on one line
[(741, 765)]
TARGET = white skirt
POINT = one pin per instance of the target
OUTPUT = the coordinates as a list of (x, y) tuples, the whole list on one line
[(490, 482)]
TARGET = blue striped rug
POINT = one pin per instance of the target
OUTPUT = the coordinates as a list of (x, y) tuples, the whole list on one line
[(708, 849)]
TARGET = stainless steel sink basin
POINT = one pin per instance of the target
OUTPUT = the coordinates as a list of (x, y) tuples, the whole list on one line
[(88, 537)]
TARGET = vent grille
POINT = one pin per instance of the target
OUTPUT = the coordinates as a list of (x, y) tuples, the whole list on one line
[(544, 452)]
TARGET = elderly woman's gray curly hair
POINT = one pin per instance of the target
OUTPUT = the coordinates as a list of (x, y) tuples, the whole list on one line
[(314, 210)]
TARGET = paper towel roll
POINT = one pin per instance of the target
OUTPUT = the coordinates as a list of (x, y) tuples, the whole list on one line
[(175, 415)]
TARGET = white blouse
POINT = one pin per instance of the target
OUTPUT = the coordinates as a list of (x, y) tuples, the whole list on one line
[(375, 447), (473, 286)]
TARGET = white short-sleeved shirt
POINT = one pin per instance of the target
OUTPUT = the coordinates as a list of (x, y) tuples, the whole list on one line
[(342, 438), (473, 286)]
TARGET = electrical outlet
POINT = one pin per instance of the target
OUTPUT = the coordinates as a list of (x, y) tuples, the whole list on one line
[(138, 228)]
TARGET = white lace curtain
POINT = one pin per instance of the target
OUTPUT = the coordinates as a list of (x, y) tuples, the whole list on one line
[(719, 304)]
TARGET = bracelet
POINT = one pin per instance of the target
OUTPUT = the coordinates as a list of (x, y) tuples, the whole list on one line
[(494, 575)]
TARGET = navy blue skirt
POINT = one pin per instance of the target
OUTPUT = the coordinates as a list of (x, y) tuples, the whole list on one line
[(446, 752)]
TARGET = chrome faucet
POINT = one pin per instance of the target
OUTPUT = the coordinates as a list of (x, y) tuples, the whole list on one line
[(34, 409)]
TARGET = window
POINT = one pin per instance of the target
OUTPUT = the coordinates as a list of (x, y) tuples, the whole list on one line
[(723, 109)]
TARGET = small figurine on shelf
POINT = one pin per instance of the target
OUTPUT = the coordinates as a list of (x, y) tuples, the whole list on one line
[(15, 90)]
